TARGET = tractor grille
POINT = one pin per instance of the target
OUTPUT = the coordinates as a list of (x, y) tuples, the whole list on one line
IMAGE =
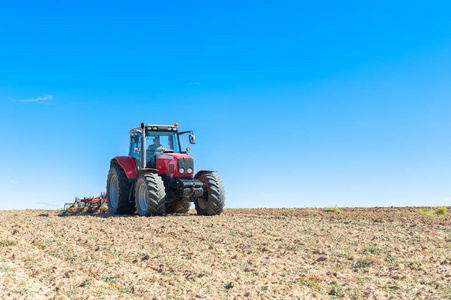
[(186, 164)]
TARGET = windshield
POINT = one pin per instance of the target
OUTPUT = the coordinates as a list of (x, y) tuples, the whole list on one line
[(160, 141), (156, 142)]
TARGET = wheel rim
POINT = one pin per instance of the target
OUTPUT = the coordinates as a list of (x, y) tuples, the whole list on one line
[(203, 203), (114, 190), (142, 197)]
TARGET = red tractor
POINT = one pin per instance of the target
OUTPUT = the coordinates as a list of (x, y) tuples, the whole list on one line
[(157, 177)]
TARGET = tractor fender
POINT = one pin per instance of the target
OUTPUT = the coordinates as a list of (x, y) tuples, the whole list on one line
[(203, 172), (127, 164)]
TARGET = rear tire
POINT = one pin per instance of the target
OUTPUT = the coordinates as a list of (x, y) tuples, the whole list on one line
[(178, 207), (150, 195), (118, 190), (213, 201)]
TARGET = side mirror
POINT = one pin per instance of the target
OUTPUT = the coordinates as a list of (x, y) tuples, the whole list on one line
[(192, 139)]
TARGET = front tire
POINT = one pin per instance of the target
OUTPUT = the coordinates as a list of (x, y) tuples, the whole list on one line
[(213, 200), (118, 190), (150, 195)]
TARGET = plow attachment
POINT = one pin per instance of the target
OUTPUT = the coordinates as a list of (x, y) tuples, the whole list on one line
[(87, 201)]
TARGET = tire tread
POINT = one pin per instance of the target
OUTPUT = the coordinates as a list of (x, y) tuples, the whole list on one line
[(124, 206), (216, 195)]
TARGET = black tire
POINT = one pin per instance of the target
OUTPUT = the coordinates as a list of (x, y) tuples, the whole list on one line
[(178, 207), (150, 195), (213, 201), (118, 190)]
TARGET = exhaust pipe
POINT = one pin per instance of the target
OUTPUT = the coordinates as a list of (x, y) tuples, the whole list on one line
[(143, 146)]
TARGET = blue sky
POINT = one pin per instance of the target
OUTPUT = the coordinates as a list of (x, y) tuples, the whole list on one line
[(295, 103)]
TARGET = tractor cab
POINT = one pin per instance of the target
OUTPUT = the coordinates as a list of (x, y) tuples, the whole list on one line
[(159, 139)]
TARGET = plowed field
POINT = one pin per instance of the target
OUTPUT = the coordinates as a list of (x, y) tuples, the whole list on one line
[(256, 253)]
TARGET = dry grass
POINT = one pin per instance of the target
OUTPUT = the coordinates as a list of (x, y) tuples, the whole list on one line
[(441, 211), (332, 209)]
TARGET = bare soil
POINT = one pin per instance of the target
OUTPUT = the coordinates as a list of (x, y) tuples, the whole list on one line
[(360, 253)]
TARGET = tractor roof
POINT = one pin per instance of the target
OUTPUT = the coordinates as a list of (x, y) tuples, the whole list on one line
[(156, 128)]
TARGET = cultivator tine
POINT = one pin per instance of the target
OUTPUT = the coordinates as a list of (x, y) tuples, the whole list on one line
[(91, 202)]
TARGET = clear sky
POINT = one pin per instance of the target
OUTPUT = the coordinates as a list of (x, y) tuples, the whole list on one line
[(295, 103)]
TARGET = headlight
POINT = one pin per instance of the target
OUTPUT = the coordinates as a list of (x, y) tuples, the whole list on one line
[(189, 170), (181, 170)]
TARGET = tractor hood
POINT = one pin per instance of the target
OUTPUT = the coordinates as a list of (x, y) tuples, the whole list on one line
[(172, 156), (175, 165)]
